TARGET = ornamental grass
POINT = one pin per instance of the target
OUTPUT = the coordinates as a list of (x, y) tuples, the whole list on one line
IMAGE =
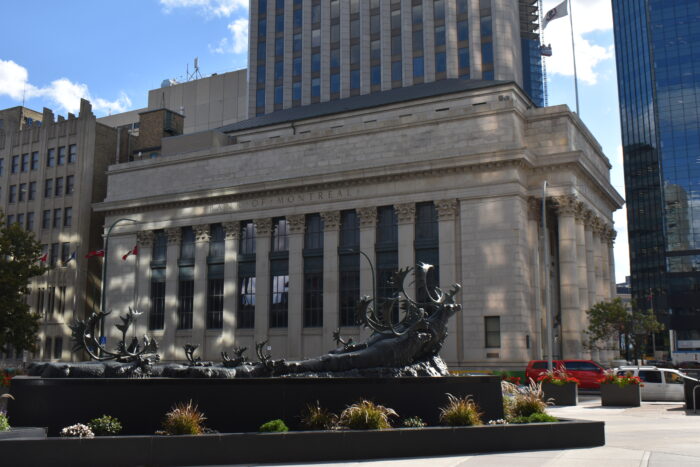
[(184, 419), (316, 417), (366, 415), (460, 411)]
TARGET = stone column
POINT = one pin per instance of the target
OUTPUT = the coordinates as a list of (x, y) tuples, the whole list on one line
[(263, 230), (533, 241), (232, 231), (605, 253), (590, 268), (199, 302), (331, 237), (368, 237), (142, 280), (582, 267), (611, 262), (452, 350), (296, 226), (172, 271), (406, 216), (568, 277), (598, 259), (451, 38)]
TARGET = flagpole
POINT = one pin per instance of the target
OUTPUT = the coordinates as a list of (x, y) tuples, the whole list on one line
[(573, 50)]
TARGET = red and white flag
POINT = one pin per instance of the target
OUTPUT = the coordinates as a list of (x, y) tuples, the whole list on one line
[(133, 251), (95, 253), (44, 258)]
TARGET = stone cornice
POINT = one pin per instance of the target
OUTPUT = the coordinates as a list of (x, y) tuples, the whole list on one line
[(360, 178)]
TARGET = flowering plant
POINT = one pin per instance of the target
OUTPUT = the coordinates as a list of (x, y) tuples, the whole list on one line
[(611, 377), (77, 431), (557, 377), (511, 379)]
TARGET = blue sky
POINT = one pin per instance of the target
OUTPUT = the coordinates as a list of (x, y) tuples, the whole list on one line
[(55, 52)]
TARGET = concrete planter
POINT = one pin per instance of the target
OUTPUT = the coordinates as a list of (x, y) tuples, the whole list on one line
[(22, 433), (301, 447), (566, 394), (625, 396)]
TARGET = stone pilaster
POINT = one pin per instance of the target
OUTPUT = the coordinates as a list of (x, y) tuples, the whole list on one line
[(199, 302), (568, 277), (263, 231), (611, 261), (581, 258), (449, 252), (534, 219), (232, 232), (597, 228), (174, 236), (406, 216), (296, 226), (368, 238), (331, 238), (142, 279), (589, 218)]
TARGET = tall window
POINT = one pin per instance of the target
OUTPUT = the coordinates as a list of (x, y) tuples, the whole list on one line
[(57, 347), (185, 286), (492, 327), (50, 157), (215, 278), (40, 302), (427, 244), (51, 296), (486, 39), (72, 153), (61, 300), (387, 253), (53, 259), (313, 271), (279, 270), (156, 318), (245, 316), (61, 155), (349, 268)]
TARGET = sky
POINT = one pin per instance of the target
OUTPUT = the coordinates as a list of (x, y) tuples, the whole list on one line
[(53, 53)]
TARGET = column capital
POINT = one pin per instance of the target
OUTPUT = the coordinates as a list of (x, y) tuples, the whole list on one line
[(597, 225), (331, 220), (368, 216), (446, 209), (588, 219), (580, 211), (174, 235), (566, 204), (405, 213), (609, 234), (296, 223), (201, 233), (263, 226), (144, 238), (232, 230)]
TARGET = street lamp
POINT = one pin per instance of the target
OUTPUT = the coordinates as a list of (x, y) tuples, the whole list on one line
[(103, 295)]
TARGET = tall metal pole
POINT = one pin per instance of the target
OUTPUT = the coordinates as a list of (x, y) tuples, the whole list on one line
[(103, 295), (547, 292), (573, 51)]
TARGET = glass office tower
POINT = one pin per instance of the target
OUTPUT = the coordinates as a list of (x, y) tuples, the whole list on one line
[(657, 43), (307, 51)]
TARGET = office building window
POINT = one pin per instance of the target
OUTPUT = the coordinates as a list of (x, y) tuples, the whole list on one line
[(247, 242), (15, 164), (57, 215), (70, 184), (59, 186), (68, 217), (349, 268), (156, 318), (48, 188), (279, 287), (13, 194), (30, 221), (160, 247), (61, 300), (61, 155), (313, 271), (72, 153), (25, 162), (22, 191), (31, 194), (245, 318), (65, 253), (492, 330), (418, 67), (57, 347), (215, 296), (50, 157), (280, 237), (185, 297), (396, 71), (48, 345), (34, 165), (53, 259), (46, 219)]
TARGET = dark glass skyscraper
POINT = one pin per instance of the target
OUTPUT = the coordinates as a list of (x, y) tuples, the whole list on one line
[(658, 66)]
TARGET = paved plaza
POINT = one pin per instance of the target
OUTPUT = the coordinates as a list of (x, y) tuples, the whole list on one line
[(656, 434)]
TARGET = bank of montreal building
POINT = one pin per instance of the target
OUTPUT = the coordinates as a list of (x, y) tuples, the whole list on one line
[(251, 231)]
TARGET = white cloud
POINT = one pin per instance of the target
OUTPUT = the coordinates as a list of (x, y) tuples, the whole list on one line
[(238, 43), (588, 16), (217, 8), (65, 94)]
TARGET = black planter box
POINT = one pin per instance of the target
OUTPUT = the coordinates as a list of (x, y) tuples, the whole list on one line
[(688, 386), (300, 447), (22, 433), (625, 396), (234, 405), (566, 394)]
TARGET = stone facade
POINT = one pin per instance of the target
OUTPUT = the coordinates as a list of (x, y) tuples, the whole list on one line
[(59, 172), (477, 159)]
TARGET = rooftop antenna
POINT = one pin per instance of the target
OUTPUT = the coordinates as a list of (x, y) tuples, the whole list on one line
[(195, 74)]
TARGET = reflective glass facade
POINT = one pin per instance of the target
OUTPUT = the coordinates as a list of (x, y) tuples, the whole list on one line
[(658, 66)]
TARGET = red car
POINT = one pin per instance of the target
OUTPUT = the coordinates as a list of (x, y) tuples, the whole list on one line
[(587, 372)]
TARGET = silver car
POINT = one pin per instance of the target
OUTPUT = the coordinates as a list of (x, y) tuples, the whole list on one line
[(658, 384)]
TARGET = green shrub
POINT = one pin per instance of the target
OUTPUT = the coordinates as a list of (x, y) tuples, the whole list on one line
[(460, 411), (535, 418), (273, 426), (105, 426), (316, 417), (4, 422), (366, 415), (183, 419), (413, 422)]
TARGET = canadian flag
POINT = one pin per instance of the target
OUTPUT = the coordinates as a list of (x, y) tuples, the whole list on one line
[(95, 253), (133, 251), (44, 258)]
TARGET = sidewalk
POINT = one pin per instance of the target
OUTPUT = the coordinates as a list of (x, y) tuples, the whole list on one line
[(656, 434)]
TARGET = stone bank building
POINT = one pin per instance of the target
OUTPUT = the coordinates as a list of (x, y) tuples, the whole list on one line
[(253, 231)]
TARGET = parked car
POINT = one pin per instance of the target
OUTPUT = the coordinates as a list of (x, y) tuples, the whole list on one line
[(658, 384), (587, 372), (691, 365)]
